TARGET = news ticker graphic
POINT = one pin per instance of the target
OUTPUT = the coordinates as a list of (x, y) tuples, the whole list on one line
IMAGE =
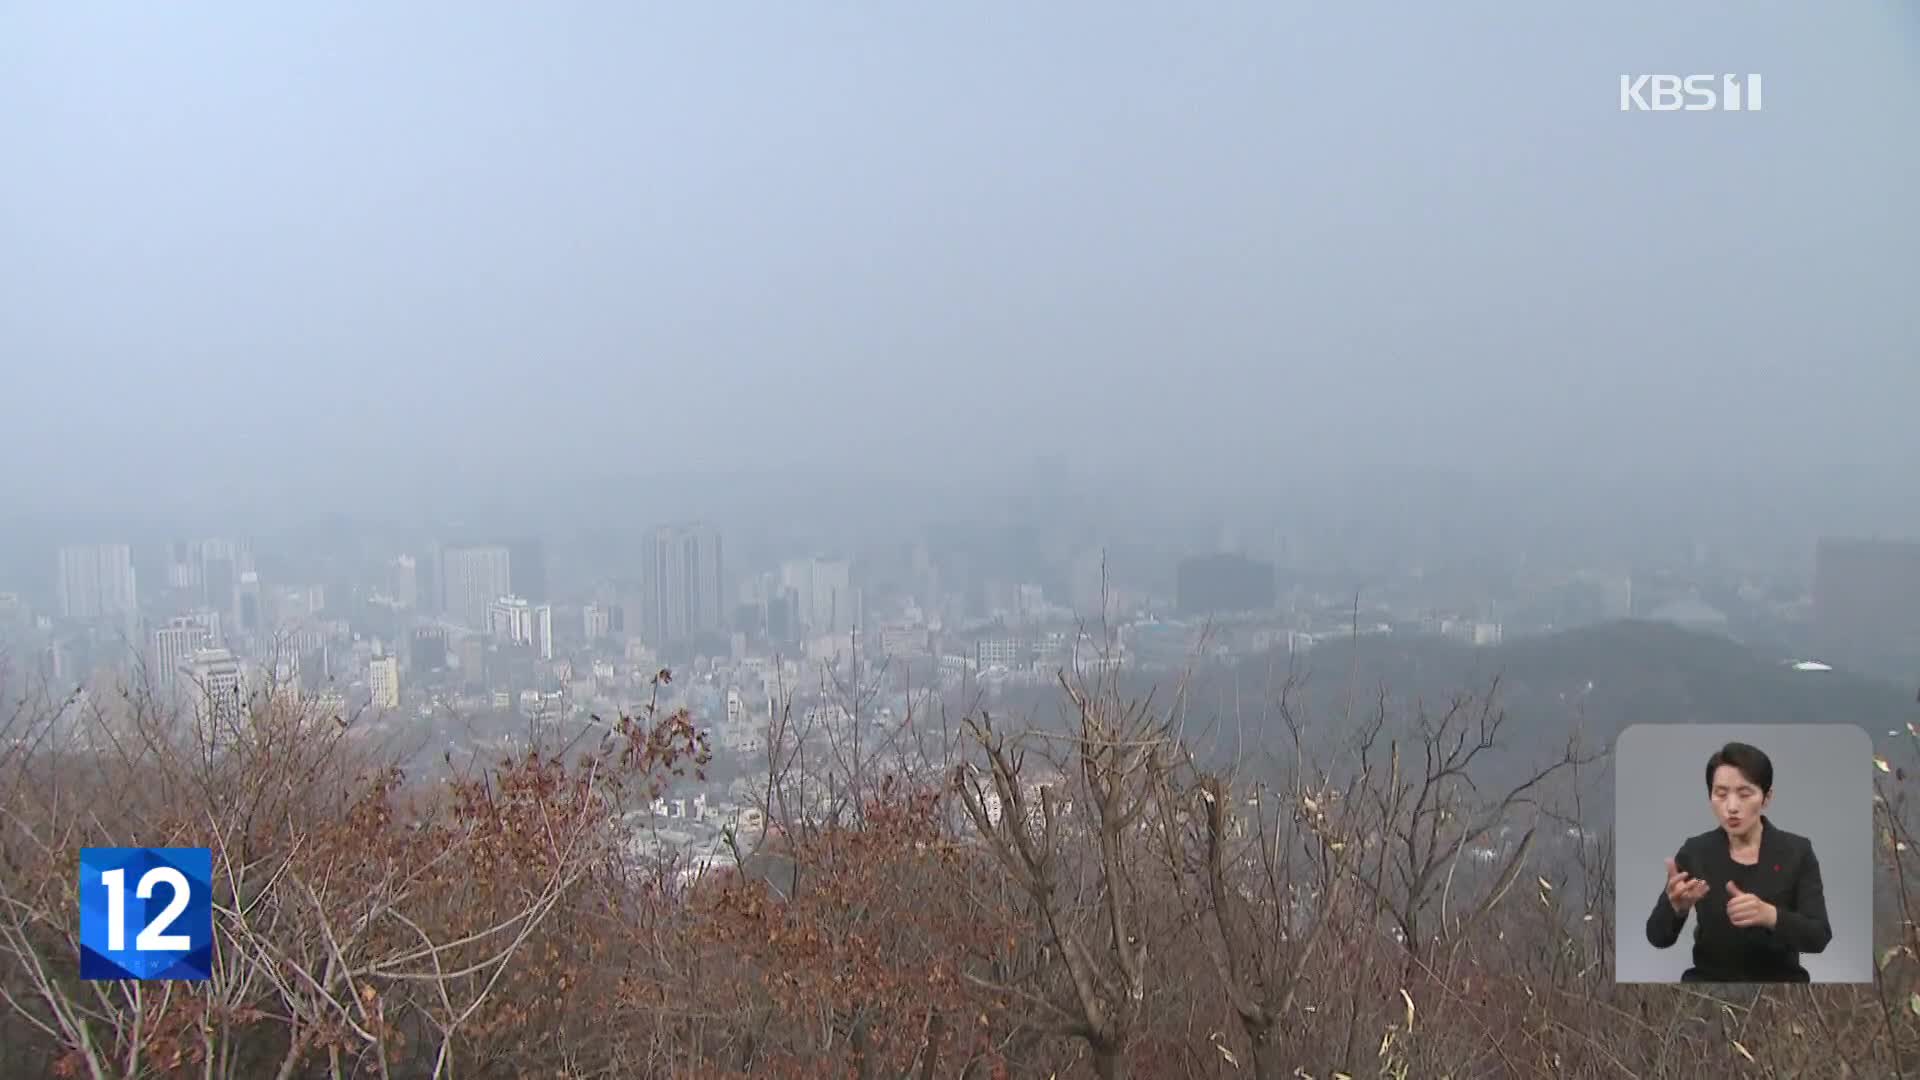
[(146, 913)]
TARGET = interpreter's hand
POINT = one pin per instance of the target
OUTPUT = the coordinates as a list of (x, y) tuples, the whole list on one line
[(1683, 889), (1746, 909)]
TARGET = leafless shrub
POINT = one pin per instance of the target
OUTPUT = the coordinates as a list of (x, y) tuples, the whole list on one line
[(983, 898)]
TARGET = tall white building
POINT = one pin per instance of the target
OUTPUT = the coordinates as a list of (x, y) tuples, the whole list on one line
[(472, 579), (512, 619), (249, 608), (183, 566), (173, 645), (383, 678), (293, 603), (1030, 600), (598, 621), (96, 581), (221, 563), (210, 619), (828, 604), (281, 670), (404, 582), (216, 689), (685, 584)]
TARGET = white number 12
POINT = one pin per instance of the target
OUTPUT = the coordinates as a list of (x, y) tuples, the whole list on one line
[(154, 937)]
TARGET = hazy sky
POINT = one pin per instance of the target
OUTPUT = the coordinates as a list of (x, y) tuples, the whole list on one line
[(247, 245)]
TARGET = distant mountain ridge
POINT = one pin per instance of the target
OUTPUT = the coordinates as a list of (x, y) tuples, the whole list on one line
[(1615, 674)]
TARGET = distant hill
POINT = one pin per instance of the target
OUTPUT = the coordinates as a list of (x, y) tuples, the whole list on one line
[(1611, 675), (1601, 678)]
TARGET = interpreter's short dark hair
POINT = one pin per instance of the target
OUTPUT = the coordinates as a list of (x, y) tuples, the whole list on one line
[(1752, 762)]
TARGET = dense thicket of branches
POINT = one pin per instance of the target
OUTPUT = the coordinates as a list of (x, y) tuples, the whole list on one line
[(979, 898)]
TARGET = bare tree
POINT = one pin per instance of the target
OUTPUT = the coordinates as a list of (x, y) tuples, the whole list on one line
[(1113, 751), (1431, 810), (495, 921), (1267, 866)]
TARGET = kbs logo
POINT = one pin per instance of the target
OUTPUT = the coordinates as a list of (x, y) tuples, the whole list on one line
[(1689, 93)]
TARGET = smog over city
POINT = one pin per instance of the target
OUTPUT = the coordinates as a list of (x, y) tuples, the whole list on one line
[(849, 539)]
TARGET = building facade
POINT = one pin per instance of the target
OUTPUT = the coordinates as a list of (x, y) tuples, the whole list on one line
[(685, 587), (472, 578), (96, 581)]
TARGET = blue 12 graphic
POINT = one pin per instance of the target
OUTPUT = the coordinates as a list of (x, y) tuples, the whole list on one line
[(146, 913)]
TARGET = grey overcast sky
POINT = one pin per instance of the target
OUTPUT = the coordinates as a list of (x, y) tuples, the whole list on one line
[(247, 245)]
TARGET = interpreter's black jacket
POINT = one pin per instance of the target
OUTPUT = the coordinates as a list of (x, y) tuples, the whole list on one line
[(1787, 876)]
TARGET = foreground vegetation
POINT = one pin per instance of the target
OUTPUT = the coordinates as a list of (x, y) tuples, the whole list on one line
[(962, 895)]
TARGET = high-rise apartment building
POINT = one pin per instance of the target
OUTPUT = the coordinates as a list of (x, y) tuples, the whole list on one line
[(383, 679), (403, 582), (471, 652), (472, 578), (685, 588), (597, 621), (543, 631), (96, 581), (221, 564), (249, 605), (215, 687), (173, 645), (824, 594), (512, 619), (184, 568)]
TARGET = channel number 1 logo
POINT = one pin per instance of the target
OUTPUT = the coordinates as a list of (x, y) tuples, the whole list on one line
[(146, 913)]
